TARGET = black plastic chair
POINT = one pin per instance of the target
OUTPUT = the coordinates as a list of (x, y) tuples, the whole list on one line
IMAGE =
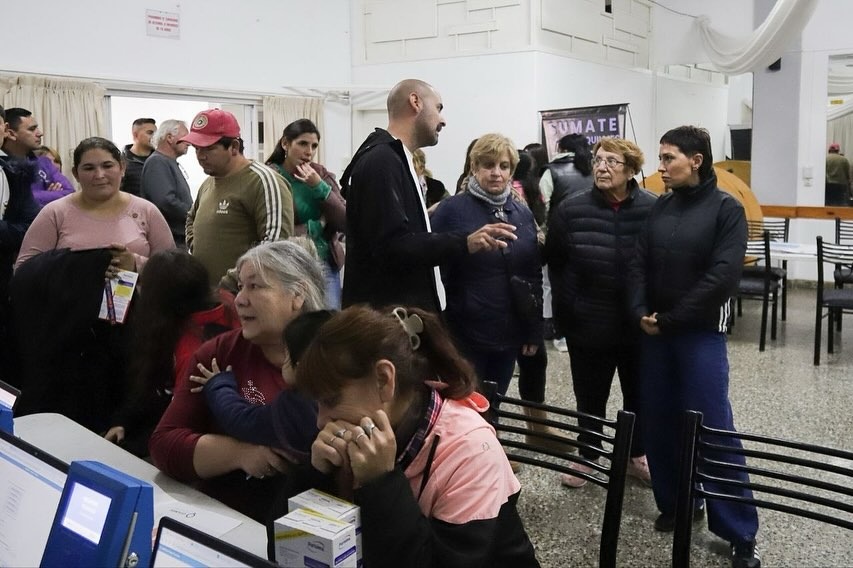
[(836, 301), (843, 236), (507, 415), (806, 480), (779, 229), (844, 231), (761, 284), (843, 275)]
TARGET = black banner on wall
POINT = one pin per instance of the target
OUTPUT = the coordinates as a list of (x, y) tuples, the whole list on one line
[(594, 122)]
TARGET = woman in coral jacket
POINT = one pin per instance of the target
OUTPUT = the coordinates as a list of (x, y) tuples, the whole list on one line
[(412, 450), (402, 434)]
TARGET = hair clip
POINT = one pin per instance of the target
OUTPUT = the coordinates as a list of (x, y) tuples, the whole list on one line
[(412, 325)]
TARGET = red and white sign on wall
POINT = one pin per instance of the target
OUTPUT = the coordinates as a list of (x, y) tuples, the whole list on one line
[(163, 24)]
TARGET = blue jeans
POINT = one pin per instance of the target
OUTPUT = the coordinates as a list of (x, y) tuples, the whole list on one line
[(494, 366), (690, 370), (333, 287)]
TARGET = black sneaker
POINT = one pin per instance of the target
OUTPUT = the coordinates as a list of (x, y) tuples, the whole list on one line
[(548, 329), (666, 523), (745, 555)]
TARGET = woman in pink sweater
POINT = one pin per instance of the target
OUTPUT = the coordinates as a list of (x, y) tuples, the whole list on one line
[(80, 372), (99, 215)]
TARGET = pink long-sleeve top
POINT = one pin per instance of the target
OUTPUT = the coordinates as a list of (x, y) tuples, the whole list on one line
[(62, 224)]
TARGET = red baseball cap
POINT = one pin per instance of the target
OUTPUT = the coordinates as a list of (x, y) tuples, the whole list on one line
[(835, 146), (210, 125)]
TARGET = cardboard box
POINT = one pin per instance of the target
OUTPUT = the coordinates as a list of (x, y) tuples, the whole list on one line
[(306, 538), (332, 507)]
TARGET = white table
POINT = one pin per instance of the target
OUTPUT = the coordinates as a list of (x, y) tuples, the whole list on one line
[(68, 441), (792, 251)]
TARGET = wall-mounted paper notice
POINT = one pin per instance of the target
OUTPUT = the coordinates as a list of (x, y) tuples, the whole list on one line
[(163, 24)]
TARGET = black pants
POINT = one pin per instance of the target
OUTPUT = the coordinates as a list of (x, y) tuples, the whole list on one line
[(836, 194), (592, 376), (531, 374)]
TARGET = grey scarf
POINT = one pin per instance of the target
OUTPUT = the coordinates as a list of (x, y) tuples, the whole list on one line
[(495, 200)]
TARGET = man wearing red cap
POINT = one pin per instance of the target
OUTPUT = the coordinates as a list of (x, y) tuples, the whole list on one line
[(837, 177), (241, 204)]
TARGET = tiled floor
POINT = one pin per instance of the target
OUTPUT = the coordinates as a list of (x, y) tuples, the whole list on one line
[(777, 392)]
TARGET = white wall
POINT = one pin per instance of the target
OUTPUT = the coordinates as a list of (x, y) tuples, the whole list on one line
[(564, 83), (251, 47), (789, 136), (740, 99), (265, 46), (826, 34), (246, 46), (505, 92), (489, 93), (676, 40)]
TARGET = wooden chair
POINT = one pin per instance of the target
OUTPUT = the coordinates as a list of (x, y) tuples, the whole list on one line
[(806, 480), (511, 422), (761, 284), (779, 230), (835, 301)]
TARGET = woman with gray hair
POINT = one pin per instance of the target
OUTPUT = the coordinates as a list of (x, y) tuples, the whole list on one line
[(278, 281)]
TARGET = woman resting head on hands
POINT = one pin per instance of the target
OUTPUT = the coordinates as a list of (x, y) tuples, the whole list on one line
[(401, 431)]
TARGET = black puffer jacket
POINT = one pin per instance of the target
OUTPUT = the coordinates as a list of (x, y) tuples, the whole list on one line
[(567, 179), (689, 259), (588, 249)]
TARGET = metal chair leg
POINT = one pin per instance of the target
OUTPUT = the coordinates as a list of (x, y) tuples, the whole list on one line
[(774, 315), (817, 333), (830, 330)]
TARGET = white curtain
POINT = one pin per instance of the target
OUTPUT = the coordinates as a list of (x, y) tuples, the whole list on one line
[(841, 130), (67, 111), (736, 55), (839, 127), (839, 82), (837, 111), (281, 111)]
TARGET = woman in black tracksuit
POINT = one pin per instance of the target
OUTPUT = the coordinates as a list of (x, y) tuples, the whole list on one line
[(688, 262)]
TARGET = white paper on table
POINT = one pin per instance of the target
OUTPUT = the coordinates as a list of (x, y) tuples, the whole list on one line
[(205, 520), (780, 246)]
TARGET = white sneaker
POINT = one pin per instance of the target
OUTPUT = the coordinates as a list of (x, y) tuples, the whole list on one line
[(560, 345)]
